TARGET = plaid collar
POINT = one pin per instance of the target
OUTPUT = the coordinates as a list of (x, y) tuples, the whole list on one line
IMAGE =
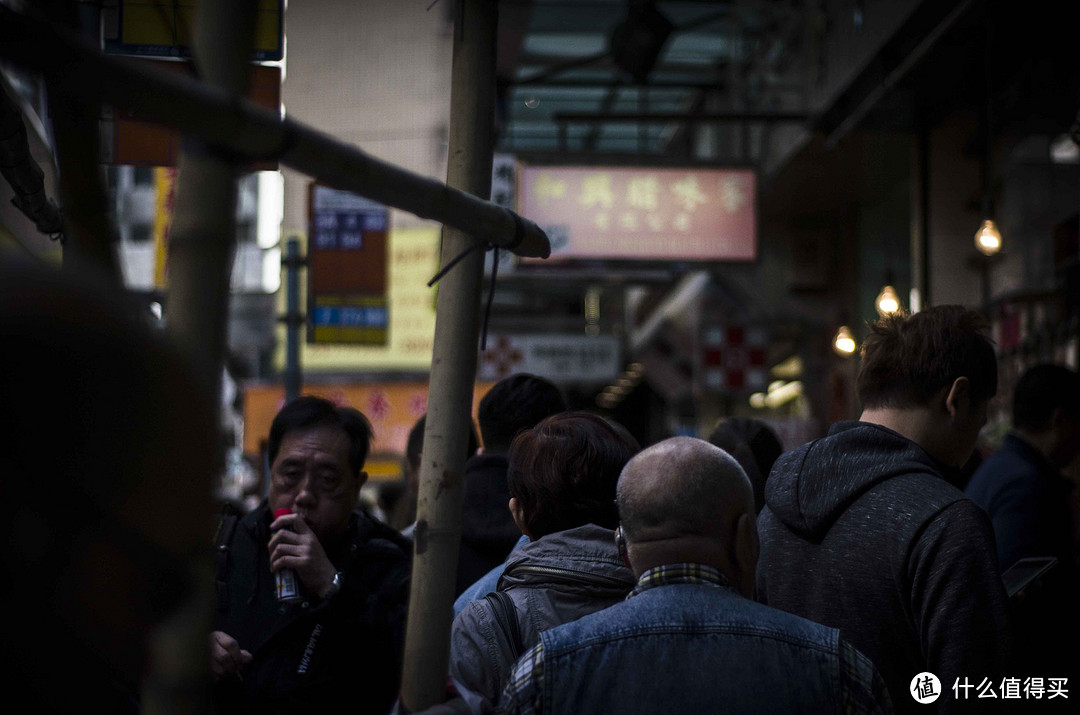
[(671, 574)]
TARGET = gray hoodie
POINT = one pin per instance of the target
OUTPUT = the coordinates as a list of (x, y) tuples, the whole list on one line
[(862, 533)]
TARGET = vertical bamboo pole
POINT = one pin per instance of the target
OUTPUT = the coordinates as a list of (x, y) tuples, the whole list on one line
[(293, 319), (201, 251), (89, 236), (203, 238), (453, 367)]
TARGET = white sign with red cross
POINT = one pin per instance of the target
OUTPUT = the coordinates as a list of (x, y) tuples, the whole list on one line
[(733, 358), (567, 358)]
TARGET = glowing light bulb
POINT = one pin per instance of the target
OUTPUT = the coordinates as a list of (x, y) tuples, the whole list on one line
[(844, 342), (988, 238), (887, 301)]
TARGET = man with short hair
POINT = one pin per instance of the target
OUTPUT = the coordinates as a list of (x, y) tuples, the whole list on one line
[(688, 638), (342, 642), (862, 532), (1023, 490), (562, 477), (488, 531), (1020, 486)]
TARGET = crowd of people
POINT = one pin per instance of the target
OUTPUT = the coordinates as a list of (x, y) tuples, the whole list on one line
[(848, 574)]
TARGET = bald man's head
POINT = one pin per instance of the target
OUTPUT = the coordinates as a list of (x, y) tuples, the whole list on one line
[(684, 499)]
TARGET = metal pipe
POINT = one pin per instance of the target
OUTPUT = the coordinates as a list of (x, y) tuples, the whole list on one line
[(246, 131), (585, 117), (453, 368)]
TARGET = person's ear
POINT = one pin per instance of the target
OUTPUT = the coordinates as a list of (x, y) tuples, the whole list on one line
[(361, 480), (519, 516), (958, 398), (747, 548)]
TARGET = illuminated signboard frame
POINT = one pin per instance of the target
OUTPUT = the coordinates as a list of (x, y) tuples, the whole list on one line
[(639, 214)]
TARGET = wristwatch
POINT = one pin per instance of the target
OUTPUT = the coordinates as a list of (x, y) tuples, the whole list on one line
[(335, 586)]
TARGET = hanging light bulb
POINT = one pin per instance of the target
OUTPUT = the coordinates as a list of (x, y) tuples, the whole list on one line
[(988, 238), (844, 342), (887, 301)]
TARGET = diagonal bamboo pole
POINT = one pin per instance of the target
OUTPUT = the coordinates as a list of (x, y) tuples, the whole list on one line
[(453, 368), (248, 131)]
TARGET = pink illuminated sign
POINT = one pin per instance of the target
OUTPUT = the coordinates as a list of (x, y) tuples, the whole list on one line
[(643, 213)]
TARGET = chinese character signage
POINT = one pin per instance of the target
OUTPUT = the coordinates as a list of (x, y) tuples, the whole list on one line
[(643, 213), (347, 301)]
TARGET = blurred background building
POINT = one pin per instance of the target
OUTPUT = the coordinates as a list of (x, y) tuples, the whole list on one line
[(848, 145)]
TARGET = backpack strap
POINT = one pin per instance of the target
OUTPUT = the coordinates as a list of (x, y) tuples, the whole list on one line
[(502, 606), (222, 540)]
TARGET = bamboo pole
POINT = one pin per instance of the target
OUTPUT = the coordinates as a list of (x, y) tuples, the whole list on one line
[(251, 132), (200, 266), (453, 368), (89, 236)]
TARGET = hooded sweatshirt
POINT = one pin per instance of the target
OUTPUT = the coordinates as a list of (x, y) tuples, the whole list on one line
[(861, 532)]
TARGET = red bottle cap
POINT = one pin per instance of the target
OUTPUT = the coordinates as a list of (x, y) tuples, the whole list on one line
[(282, 512)]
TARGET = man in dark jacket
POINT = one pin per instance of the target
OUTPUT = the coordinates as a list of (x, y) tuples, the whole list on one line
[(342, 642), (861, 531), (1023, 490), (488, 532), (1021, 486)]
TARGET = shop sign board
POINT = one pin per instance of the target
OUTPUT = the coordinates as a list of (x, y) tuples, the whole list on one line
[(391, 407), (642, 213), (163, 28), (412, 258), (734, 358), (347, 286), (567, 358)]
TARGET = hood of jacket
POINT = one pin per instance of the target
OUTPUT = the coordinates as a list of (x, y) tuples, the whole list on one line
[(584, 558), (812, 485)]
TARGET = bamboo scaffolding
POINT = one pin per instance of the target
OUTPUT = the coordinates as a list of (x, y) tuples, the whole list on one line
[(453, 368), (201, 252), (246, 132)]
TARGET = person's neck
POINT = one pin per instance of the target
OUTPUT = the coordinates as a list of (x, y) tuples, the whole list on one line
[(684, 550), (916, 424)]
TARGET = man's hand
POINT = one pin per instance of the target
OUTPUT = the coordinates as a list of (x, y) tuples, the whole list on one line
[(226, 657), (299, 549)]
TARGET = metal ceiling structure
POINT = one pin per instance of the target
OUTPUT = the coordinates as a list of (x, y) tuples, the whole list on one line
[(584, 81)]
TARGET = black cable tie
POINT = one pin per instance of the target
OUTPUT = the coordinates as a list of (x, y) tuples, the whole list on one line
[(491, 297), (519, 238), (457, 259), (519, 232)]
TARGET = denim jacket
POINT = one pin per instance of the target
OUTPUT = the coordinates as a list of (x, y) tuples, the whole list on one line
[(697, 647)]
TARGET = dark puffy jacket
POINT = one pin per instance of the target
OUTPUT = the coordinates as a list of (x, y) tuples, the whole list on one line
[(315, 656), (553, 580)]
